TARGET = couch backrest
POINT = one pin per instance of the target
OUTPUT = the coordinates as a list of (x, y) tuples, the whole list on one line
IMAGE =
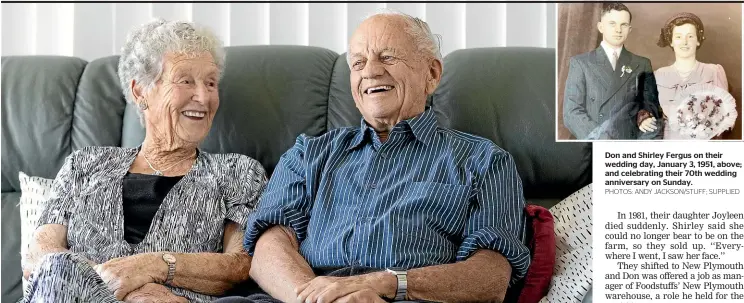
[(508, 95), (270, 94), (38, 99)]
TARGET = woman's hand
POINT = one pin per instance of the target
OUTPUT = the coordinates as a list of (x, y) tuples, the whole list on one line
[(648, 125), (153, 293), (125, 275)]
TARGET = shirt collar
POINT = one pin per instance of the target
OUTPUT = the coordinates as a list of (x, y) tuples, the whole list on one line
[(609, 48), (423, 126)]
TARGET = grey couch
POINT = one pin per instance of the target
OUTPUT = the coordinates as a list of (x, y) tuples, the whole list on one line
[(52, 106)]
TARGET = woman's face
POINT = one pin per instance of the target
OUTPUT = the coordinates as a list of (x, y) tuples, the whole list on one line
[(182, 104), (685, 41)]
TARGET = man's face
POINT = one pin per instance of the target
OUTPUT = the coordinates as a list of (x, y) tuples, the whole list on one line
[(390, 77), (615, 27)]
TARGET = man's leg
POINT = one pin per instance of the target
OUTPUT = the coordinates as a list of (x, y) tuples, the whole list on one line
[(66, 277)]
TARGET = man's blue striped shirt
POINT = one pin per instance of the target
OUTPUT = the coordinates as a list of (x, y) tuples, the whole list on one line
[(427, 196)]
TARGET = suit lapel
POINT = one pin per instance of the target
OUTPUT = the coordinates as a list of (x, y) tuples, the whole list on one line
[(602, 68), (619, 78)]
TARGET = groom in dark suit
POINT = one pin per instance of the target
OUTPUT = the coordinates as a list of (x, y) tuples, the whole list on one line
[(610, 92)]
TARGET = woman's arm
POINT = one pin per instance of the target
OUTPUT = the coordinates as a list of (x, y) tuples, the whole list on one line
[(48, 238), (721, 80), (206, 273), (213, 273), (50, 235)]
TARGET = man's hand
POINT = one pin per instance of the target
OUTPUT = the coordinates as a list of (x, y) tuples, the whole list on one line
[(648, 125), (124, 275), (153, 293), (352, 289)]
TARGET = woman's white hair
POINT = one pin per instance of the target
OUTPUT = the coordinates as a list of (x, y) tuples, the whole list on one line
[(143, 54), (427, 42)]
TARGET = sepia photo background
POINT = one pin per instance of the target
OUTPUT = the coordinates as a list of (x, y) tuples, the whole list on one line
[(577, 33)]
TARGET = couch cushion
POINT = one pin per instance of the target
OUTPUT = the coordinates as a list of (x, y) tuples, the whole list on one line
[(268, 96), (99, 106), (37, 103), (342, 111), (503, 94), (11, 247)]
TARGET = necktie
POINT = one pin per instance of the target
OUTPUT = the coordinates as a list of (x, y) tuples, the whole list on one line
[(614, 59)]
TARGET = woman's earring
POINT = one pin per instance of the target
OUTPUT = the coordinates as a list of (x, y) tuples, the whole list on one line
[(142, 105)]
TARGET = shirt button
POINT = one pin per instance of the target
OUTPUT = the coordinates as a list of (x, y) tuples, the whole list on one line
[(383, 155), (373, 185), (601, 115)]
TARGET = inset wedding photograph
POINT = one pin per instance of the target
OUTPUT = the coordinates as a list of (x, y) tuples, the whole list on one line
[(649, 71)]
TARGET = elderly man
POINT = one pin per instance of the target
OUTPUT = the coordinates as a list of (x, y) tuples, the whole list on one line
[(399, 208)]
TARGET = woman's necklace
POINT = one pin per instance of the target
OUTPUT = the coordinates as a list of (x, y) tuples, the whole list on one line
[(159, 172)]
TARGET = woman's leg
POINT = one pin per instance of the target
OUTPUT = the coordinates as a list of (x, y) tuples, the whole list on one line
[(255, 298), (66, 277)]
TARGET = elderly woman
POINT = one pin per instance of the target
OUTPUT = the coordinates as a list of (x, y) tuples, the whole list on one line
[(684, 34), (160, 222)]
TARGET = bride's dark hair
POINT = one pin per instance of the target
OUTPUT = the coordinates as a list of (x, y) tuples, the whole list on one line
[(665, 38)]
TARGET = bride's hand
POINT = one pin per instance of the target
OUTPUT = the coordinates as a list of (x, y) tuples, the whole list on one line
[(648, 125)]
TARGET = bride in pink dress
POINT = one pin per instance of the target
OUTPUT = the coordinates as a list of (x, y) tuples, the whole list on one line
[(684, 33)]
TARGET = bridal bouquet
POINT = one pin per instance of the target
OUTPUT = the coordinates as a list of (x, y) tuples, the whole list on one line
[(705, 112)]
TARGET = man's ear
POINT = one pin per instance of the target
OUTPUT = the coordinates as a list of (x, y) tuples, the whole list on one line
[(435, 75), (600, 27)]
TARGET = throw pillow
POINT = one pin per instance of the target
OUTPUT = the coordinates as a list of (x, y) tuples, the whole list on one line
[(542, 246), (35, 191), (572, 275)]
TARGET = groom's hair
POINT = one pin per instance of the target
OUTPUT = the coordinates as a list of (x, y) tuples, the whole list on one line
[(614, 6)]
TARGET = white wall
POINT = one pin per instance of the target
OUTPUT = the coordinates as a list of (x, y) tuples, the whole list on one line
[(93, 30)]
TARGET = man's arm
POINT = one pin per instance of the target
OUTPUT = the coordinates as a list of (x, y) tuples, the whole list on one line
[(278, 226), (649, 117), (278, 266), (484, 277), (575, 116), (650, 91)]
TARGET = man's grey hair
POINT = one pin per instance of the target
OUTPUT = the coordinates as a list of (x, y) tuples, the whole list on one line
[(427, 42), (142, 56)]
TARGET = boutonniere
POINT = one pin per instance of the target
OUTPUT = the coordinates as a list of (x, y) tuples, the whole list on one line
[(625, 69)]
